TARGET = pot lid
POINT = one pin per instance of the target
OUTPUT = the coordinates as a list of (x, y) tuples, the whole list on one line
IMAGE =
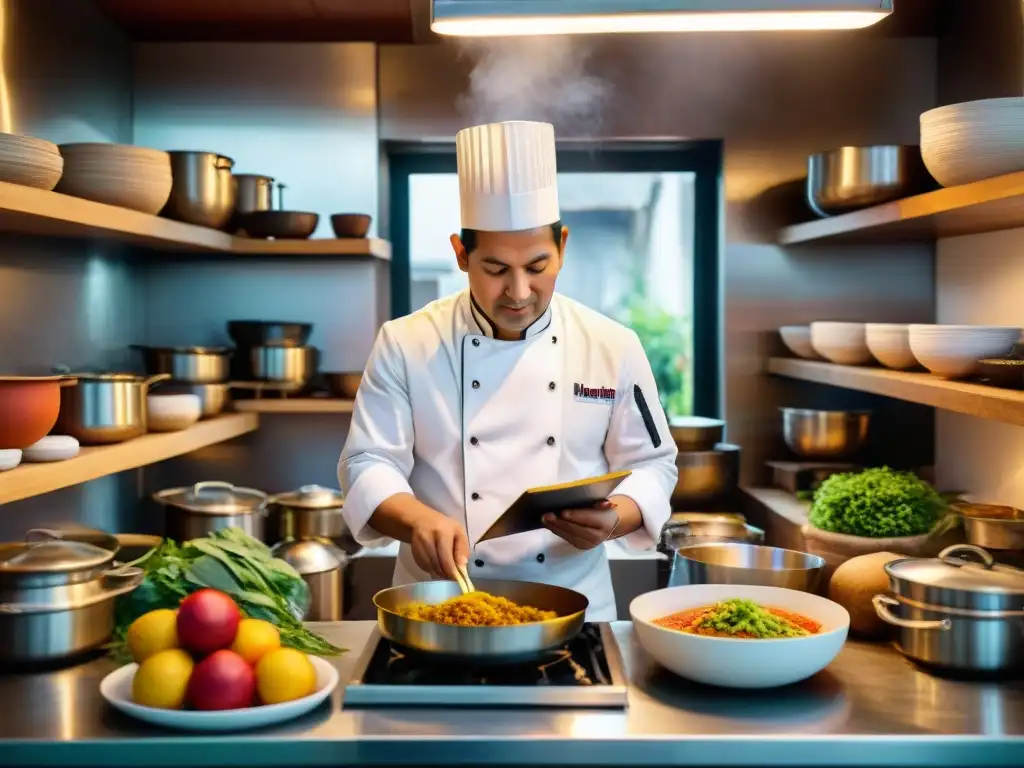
[(953, 570), (311, 497), (52, 556), (213, 498), (310, 556)]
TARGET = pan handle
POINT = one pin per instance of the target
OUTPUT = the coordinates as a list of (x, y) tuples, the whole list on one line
[(882, 604)]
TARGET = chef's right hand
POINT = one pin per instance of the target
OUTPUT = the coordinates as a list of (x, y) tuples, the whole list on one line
[(439, 545)]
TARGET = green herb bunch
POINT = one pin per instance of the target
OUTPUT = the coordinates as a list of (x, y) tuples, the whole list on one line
[(737, 615), (877, 503), (230, 561)]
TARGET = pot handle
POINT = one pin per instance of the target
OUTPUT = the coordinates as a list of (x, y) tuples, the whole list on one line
[(882, 604), (42, 535), (155, 379), (132, 575), (947, 555), (220, 485)]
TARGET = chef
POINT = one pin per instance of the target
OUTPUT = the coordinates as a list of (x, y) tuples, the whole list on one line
[(503, 387)]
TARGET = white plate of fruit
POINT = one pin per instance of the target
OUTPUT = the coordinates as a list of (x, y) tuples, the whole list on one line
[(205, 668)]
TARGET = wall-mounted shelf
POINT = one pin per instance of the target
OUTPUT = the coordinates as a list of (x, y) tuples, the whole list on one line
[(984, 206), (38, 212), (99, 461), (298, 405), (985, 402)]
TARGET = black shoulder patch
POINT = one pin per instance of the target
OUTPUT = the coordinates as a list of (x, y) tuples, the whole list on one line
[(645, 414)]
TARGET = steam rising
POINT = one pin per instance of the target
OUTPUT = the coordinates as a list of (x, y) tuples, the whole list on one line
[(533, 78)]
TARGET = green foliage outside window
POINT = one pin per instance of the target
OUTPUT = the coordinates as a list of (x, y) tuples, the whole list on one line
[(667, 341)]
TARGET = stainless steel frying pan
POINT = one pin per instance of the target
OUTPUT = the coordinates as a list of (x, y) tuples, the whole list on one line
[(481, 645)]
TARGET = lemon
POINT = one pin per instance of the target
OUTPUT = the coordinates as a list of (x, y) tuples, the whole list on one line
[(153, 632), (162, 680), (255, 638), (284, 675)]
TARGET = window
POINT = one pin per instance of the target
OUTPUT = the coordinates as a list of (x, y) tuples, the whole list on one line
[(643, 248)]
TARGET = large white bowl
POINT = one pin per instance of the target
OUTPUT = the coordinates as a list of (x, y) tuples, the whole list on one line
[(116, 688), (890, 345), (842, 343), (171, 413), (739, 663), (953, 351), (797, 339), (961, 143)]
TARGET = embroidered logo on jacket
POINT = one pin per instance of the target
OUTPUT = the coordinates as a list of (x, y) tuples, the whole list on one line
[(586, 394)]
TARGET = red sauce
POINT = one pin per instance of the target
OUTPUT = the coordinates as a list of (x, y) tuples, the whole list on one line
[(687, 621)]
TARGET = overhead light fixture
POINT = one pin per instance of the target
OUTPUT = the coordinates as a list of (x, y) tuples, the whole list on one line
[(517, 18)]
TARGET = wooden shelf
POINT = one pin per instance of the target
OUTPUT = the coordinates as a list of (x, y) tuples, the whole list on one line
[(985, 402), (38, 212), (99, 461), (298, 405), (984, 206)]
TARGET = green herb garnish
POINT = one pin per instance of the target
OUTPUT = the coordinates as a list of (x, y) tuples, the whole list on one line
[(737, 615)]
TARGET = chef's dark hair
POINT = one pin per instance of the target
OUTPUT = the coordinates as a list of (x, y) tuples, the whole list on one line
[(469, 237)]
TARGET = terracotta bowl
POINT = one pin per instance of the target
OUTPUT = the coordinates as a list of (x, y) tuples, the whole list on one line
[(28, 409)]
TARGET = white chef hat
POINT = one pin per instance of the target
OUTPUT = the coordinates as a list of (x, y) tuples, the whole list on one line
[(507, 176)]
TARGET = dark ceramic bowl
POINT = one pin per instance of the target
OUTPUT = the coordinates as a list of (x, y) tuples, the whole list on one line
[(1004, 372), (351, 224)]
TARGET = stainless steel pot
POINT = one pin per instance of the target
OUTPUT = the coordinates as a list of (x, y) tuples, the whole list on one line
[(189, 365), (824, 434), (730, 563), (105, 408), (213, 398), (57, 598), (706, 529), (696, 433), (210, 506), (290, 365), (321, 566), (992, 526), (957, 614), (849, 178), (706, 477), (203, 191), (311, 512), (255, 192)]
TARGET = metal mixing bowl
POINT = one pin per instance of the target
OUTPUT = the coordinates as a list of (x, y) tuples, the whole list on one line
[(696, 433), (733, 563), (825, 434), (849, 178), (706, 477)]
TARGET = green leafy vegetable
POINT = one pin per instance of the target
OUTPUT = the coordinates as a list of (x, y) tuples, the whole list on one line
[(877, 503), (737, 615), (232, 562)]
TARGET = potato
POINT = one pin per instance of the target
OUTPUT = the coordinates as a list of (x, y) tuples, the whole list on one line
[(853, 585)]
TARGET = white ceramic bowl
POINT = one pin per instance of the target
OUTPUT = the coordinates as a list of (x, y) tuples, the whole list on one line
[(739, 663), (797, 339), (842, 343), (116, 688), (52, 448), (975, 140), (953, 351), (171, 413), (890, 345), (9, 459)]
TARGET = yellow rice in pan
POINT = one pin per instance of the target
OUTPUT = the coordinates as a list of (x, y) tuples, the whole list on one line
[(477, 609)]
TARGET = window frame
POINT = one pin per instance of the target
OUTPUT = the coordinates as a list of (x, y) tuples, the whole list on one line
[(702, 158)]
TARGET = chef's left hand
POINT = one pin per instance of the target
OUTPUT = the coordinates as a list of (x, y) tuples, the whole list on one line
[(585, 528)]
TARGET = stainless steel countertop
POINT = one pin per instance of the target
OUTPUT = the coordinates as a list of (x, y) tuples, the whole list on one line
[(870, 707)]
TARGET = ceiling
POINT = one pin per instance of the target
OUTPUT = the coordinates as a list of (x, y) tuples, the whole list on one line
[(381, 21)]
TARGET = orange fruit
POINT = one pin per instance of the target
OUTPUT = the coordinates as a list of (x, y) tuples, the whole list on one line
[(284, 675), (151, 633), (161, 681), (255, 638)]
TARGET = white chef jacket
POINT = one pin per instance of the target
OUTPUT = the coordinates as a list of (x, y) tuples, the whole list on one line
[(466, 422)]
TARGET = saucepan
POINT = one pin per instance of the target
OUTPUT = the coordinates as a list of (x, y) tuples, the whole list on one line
[(447, 643)]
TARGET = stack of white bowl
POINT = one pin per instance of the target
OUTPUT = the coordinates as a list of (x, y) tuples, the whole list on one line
[(117, 174), (797, 339), (29, 162), (890, 345), (842, 343), (953, 351), (961, 143)]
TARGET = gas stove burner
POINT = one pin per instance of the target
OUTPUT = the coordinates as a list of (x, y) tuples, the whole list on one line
[(586, 672)]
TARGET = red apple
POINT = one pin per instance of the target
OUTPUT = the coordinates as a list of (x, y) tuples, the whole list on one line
[(207, 621), (223, 680)]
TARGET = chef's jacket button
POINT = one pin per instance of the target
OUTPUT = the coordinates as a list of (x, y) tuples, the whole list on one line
[(551, 385), (476, 342), (479, 563), (551, 441), (476, 384), (554, 339), (473, 441), (540, 558), (475, 496)]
